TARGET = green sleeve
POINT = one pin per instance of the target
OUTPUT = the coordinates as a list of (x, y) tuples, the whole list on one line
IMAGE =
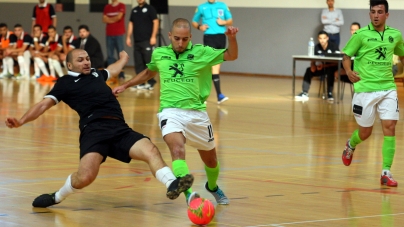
[(399, 50), (213, 56), (353, 45), (152, 65)]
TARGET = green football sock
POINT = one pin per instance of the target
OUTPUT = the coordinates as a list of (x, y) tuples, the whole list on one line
[(180, 169), (355, 139), (212, 174), (388, 150)]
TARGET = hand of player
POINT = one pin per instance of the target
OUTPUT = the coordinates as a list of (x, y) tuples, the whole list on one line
[(128, 42), (353, 76), (12, 122), (118, 90), (152, 41), (231, 31), (123, 55), (221, 22), (203, 27)]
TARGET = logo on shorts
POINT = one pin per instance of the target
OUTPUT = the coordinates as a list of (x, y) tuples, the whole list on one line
[(357, 110), (178, 69), (382, 53)]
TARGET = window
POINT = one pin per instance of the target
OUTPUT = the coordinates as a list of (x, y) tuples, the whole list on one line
[(98, 5)]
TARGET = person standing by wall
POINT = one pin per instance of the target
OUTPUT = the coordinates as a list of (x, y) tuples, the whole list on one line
[(114, 18), (332, 20), (44, 15), (215, 17), (143, 24)]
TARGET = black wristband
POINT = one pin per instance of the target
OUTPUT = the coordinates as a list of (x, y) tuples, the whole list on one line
[(199, 26)]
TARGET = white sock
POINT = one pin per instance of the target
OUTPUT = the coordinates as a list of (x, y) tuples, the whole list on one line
[(58, 68), (165, 176), (37, 72), (4, 67), (21, 64), (27, 60), (65, 191), (42, 66), (51, 68), (10, 65)]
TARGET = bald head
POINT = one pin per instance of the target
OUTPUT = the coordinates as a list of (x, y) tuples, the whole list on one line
[(78, 61), (181, 23)]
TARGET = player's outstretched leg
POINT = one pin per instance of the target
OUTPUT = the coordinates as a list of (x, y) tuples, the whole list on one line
[(88, 171)]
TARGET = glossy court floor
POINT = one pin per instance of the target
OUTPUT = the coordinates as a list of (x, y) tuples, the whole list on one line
[(280, 163)]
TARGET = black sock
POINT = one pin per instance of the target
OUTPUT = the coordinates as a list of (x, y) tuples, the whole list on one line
[(216, 82)]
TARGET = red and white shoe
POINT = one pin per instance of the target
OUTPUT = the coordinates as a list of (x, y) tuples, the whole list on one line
[(347, 154), (387, 179)]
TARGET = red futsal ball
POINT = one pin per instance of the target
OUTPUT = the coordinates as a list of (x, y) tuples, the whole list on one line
[(201, 211)]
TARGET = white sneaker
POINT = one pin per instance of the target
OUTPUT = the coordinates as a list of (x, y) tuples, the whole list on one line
[(302, 97)]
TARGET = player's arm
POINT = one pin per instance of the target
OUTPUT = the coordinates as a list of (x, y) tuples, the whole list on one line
[(129, 34), (232, 50), (154, 32), (401, 59), (347, 63), (140, 78), (115, 68), (33, 113)]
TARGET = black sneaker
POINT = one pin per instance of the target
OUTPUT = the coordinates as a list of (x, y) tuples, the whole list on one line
[(44, 200), (329, 97), (179, 185)]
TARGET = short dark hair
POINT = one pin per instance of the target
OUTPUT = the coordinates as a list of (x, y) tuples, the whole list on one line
[(17, 26), (83, 26), (181, 22), (379, 2), (51, 27), (322, 33), (39, 26), (356, 23), (67, 27), (2, 25)]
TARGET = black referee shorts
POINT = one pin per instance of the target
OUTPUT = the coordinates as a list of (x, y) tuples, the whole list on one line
[(217, 41), (109, 137)]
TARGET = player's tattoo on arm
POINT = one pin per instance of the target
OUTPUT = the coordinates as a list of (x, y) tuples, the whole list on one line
[(346, 58)]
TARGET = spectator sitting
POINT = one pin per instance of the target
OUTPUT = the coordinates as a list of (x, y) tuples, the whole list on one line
[(319, 69)]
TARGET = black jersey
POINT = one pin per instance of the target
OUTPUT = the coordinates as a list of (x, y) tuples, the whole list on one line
[(88, 95)]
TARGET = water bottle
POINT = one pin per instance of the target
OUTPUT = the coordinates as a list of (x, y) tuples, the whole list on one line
[(311, 47)]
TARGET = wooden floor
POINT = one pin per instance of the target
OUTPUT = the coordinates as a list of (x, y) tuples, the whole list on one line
[(280, 163)]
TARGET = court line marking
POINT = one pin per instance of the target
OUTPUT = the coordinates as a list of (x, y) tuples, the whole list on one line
[(327, 220)]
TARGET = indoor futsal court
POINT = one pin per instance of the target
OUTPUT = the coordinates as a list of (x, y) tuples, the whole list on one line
[(280, 163)]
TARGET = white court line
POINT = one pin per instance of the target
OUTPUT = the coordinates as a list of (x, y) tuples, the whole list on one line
[(326, 220)]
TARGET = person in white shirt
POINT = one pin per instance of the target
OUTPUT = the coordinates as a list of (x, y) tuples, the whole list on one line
[(332, 19)]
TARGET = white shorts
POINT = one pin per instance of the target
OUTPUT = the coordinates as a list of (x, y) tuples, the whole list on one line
[(193, 124), (366, 104)]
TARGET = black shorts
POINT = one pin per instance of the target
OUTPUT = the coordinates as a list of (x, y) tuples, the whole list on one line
[(109, 137), (217, 41)]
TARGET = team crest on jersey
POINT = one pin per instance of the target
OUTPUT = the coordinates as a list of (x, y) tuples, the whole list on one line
[(144, 10), (391, 39), (190, 57), (95, 74), (220, 12)]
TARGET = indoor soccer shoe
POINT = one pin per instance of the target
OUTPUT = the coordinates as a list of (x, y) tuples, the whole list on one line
[(221, 98), (219, 195), (347, 154), (387, 179), (179, 185), (192, 196), (44, 200)]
